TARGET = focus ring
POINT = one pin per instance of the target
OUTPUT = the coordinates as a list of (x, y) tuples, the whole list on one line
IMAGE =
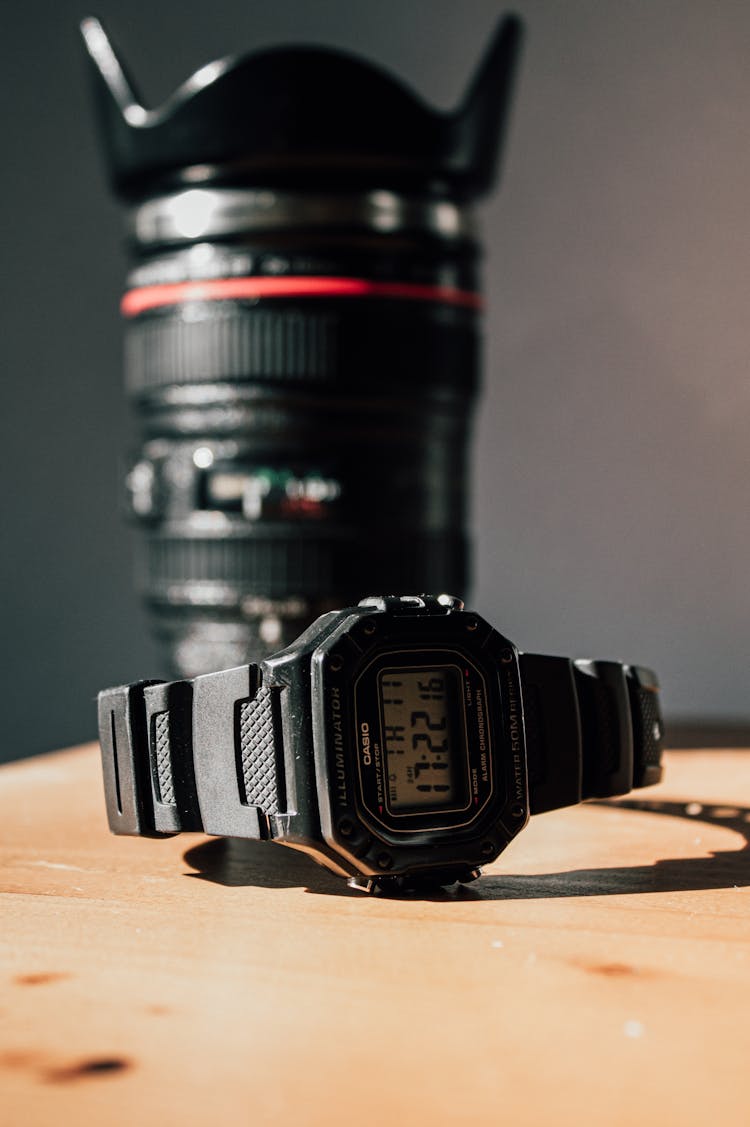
[(232, 342)]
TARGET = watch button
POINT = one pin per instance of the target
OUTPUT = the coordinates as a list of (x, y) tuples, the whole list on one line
[(451, 602), (395, 602), (410, 604), (362, 884)]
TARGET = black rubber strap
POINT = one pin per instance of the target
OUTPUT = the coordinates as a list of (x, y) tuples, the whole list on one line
[(192, 755), (207, 754), (593, 729)]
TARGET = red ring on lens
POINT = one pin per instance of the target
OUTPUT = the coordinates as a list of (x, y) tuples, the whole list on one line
[(144, 298)]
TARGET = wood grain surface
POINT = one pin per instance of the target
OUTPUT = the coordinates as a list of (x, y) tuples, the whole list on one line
[(599, 973)]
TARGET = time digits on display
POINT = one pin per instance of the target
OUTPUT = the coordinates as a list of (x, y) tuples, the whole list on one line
[(418, 710)]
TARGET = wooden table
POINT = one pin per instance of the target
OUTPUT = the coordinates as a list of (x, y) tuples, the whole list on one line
[(598, 974)]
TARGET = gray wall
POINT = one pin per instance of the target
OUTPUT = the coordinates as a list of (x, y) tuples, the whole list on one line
[(612, 456)]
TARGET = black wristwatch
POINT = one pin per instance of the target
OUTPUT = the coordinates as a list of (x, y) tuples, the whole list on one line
[(402, 743)]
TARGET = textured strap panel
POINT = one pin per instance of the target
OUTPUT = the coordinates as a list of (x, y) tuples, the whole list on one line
[(168, 723), (160, 743), (257, 740), (648, 725), (193, 755), (130, 774)]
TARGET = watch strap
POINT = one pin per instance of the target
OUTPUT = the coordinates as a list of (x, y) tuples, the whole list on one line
[(593, 729), (206, 754), (193, 755)]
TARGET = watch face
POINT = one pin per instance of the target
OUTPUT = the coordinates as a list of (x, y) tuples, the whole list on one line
[(418, 738), (420, 713), (422, 740)]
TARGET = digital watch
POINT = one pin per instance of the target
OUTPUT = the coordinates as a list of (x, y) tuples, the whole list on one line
[(402, 743)]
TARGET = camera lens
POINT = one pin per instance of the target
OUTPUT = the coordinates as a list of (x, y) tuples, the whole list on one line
[(302, 349)]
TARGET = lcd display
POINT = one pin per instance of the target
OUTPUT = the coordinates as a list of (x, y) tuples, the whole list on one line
[(420, 710)]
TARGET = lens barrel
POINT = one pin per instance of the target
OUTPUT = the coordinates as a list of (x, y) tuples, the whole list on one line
[(302, 353)]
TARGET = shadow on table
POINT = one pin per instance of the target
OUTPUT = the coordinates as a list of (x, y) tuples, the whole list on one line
[(728, 868), (236, 863), (230, 861)]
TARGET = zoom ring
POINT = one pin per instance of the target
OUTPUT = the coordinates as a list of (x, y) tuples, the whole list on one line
[(234, 341), (274, 567), (380, 341)]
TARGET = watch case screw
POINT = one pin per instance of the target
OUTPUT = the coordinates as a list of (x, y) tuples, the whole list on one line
[(506, 656), (335, 664), (346, 828), (488, 849), (384, 860), (517, 810), (472, 624), (368, 628)]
